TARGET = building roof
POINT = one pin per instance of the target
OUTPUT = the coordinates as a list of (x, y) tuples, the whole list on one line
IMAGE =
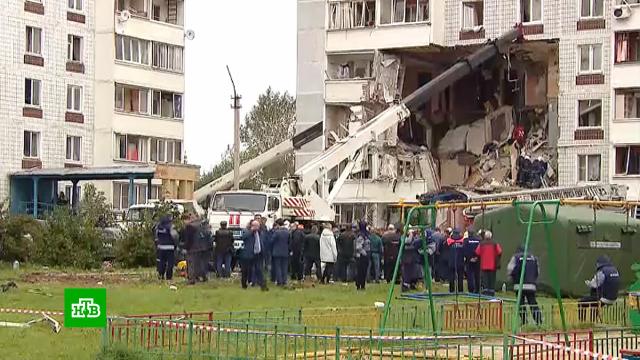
[(90, 173)]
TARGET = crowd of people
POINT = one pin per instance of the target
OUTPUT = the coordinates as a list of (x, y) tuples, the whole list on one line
[(360, 254)]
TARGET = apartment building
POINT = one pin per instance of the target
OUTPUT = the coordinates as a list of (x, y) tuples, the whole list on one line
[(356, 57), (47, 101), (139, 78), (625, 94)]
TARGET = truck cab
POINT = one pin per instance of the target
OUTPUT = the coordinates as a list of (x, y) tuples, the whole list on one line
[(239, 207)]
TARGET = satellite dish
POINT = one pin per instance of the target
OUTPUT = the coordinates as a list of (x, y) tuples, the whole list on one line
[(124, 16), (190, 34)]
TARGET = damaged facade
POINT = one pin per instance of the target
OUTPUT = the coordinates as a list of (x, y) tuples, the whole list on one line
[(538, 117)]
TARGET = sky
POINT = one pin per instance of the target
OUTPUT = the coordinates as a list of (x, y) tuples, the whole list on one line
[(257, 39)]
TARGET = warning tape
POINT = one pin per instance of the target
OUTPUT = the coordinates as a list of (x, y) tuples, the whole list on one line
[(27, 311), (590, 354)]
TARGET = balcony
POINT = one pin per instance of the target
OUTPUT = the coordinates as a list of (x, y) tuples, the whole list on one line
[(148, 15), (630, 23), (626, 59), (348, 91), (148, 77), (355, 26), (148, 125), (350, 78)]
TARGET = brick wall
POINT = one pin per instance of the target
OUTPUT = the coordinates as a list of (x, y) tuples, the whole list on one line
[(54, 77)]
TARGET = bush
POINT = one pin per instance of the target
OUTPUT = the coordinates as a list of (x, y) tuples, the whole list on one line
[(121, 353), (18, 235), (136, 247), (70, 240), (95, 209)]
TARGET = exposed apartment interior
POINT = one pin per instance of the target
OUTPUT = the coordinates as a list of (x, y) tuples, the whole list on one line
[(167, 11)]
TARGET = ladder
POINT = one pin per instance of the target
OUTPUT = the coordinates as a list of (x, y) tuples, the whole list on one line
[(602, 192), (172, 11)]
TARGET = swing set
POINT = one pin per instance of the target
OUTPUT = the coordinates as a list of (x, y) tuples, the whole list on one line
[(548, 215)]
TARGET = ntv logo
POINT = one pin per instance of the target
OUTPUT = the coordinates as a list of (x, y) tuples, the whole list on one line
[(85, 308)]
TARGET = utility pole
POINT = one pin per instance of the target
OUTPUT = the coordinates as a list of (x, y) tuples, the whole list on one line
[(236, 133)]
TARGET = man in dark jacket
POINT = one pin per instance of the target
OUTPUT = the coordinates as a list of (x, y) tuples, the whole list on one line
[(531, 273), (345, 246), (252, 256), (443, 254), (411, 260), (223, 250), (280, 252), (455, 250), (312, 253), (472, 261), (604, 287), (391, 243), (438, 239), (376, 256), (166, 242), (297, 248), (195, 244)]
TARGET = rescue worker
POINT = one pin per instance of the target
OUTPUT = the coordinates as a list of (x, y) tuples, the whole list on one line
[(455, 251), (443, 253), (604, 287), (297, 248), (489, 253), (472, 261), (223, 250), (391, 243), (362, 249), (529, 285), (252, 256), (280, 252), (166, 241), (376, 256), (312, 253), (345, 244), (328, 253), (410, 260)]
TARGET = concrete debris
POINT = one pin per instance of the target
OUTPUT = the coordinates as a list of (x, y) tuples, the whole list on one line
[(454, 141), (55, 325), (476, 137)]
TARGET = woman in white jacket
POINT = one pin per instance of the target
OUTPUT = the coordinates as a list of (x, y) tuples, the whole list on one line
[(328, 253)]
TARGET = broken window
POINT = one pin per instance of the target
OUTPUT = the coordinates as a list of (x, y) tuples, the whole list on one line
[(74, 48), (472, 14), (404, 11), (34, 40), (591, 8), (589, 168), (132, 50), (627, 47), (167, 57), (131, 99), (590, 58), (74, 98), (31, 144), (73, 148), (628, 160), (131, 147), (352, 14), (135, 7), (32, 90), (530, 11), (627, 104), (350, 67), (590, 113)]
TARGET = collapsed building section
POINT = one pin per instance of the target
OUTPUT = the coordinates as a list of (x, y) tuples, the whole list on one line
[(494, 130)]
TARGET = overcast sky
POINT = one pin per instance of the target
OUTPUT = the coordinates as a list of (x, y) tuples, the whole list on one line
[(257, 39)]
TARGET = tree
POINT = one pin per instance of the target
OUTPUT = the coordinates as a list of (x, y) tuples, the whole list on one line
[(270, 122)]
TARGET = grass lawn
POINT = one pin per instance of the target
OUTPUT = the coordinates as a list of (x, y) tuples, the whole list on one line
[(141, 294)]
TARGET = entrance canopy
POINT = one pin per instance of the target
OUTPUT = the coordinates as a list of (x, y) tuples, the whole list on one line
[(35, 190)]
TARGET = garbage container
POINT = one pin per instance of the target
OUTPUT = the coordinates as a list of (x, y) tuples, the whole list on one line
[(630, 354)]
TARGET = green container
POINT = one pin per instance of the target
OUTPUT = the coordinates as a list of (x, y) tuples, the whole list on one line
[(577, 240)]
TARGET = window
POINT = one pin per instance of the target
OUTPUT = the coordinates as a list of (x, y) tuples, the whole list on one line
[(351, 14), (120, 196), (74, 98), (74, 147), (627, 47), (34, 40), (74, 48), (590, 58), (591, 8), (164, 150), (589, 113), (627, 104), (75, 5), (32, 92), (472, 14), (131, 147), (156, 12), (628, 160), (132, 99), (589, 168), (404, 11), (530, 11), (136, 7), (166, 104), (31, 144), (167, 57), (132, 50)]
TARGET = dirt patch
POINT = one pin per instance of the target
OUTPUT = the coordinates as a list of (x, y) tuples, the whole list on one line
[(82, 278)]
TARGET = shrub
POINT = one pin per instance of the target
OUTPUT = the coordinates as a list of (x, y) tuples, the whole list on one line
[(95, 209), (136, 247), (122, 353), (18, 235)]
